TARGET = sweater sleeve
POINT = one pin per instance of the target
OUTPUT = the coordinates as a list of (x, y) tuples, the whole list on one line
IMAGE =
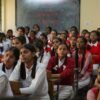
[(69, 69), (36, 82), (15, 75), (51, 64)]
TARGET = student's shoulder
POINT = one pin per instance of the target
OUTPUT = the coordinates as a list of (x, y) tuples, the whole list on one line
[(2, 74), (1, 65)]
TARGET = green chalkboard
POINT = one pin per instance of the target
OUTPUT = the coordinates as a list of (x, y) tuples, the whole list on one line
[(60, 15)]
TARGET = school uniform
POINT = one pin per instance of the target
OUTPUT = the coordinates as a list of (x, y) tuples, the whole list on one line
[(5, 89), (86, 71), (38, 34), (92, 93), (95, 51), (65, 69), (6, 44), (6, 71), (37, 87), (46, 57)]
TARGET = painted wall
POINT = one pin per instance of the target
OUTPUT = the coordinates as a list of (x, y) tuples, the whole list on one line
[(90, 14), (8, 15)]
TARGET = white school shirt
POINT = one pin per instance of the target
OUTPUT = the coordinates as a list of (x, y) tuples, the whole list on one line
[(45, 59), (6, 44), (7, 71), (5, 89), (37, 87), (38, 34)]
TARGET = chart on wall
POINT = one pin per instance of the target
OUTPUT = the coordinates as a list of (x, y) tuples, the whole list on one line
[(59, 14)]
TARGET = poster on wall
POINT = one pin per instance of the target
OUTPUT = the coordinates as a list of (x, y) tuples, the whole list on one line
[(59, 14)]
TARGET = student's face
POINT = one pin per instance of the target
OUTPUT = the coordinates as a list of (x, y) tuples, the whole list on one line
[(9, 59), (26, 55), (63, 37), (87, 36), (35, 28), (93, 37), (43, 39), (20, 32), (16, 43), (62, 51), (80, 43), (55, 43), (32, 35), (53, 35), (73, 41)]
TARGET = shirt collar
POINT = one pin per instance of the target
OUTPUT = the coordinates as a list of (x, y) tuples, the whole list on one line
[(93, 44)]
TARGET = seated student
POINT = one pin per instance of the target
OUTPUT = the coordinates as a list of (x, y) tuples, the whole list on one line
[(53, 35), (32, 36), (56, 41), (9, 60), (36, 28), (31, 74), (9, 34), (42, 53), (43, 37), (63, 36), (72, 47), (5, 43), (84, 63), (95, 50), (21, 32), (61, 67), (94, 93), (5, 89), (18, 42)]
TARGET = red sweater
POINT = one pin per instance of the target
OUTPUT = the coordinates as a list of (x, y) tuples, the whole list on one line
[(95, 51), (65, 70)]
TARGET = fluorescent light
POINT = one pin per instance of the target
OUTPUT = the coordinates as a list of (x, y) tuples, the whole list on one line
[(45, 1)]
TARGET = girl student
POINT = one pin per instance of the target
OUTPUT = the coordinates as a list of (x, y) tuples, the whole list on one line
[(31, 74), (42, 51), (95, 50), (84, 62), (10, 59), (18, 42), (56, 41), (5, 89), (94, 93), (61, 67)]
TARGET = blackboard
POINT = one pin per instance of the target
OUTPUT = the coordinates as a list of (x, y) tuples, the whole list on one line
[(60, 15)]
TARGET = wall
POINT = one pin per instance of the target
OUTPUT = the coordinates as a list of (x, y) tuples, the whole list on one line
[(90, 14), (8, 14)]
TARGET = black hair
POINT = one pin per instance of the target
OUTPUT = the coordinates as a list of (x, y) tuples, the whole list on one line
[(22, 28), (49, 27), (27, 27), (22, 67), (36, 26), (10, 30), (22, 39), (16, 53)]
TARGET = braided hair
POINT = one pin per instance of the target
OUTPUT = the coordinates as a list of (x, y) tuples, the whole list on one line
[(22, 67)]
